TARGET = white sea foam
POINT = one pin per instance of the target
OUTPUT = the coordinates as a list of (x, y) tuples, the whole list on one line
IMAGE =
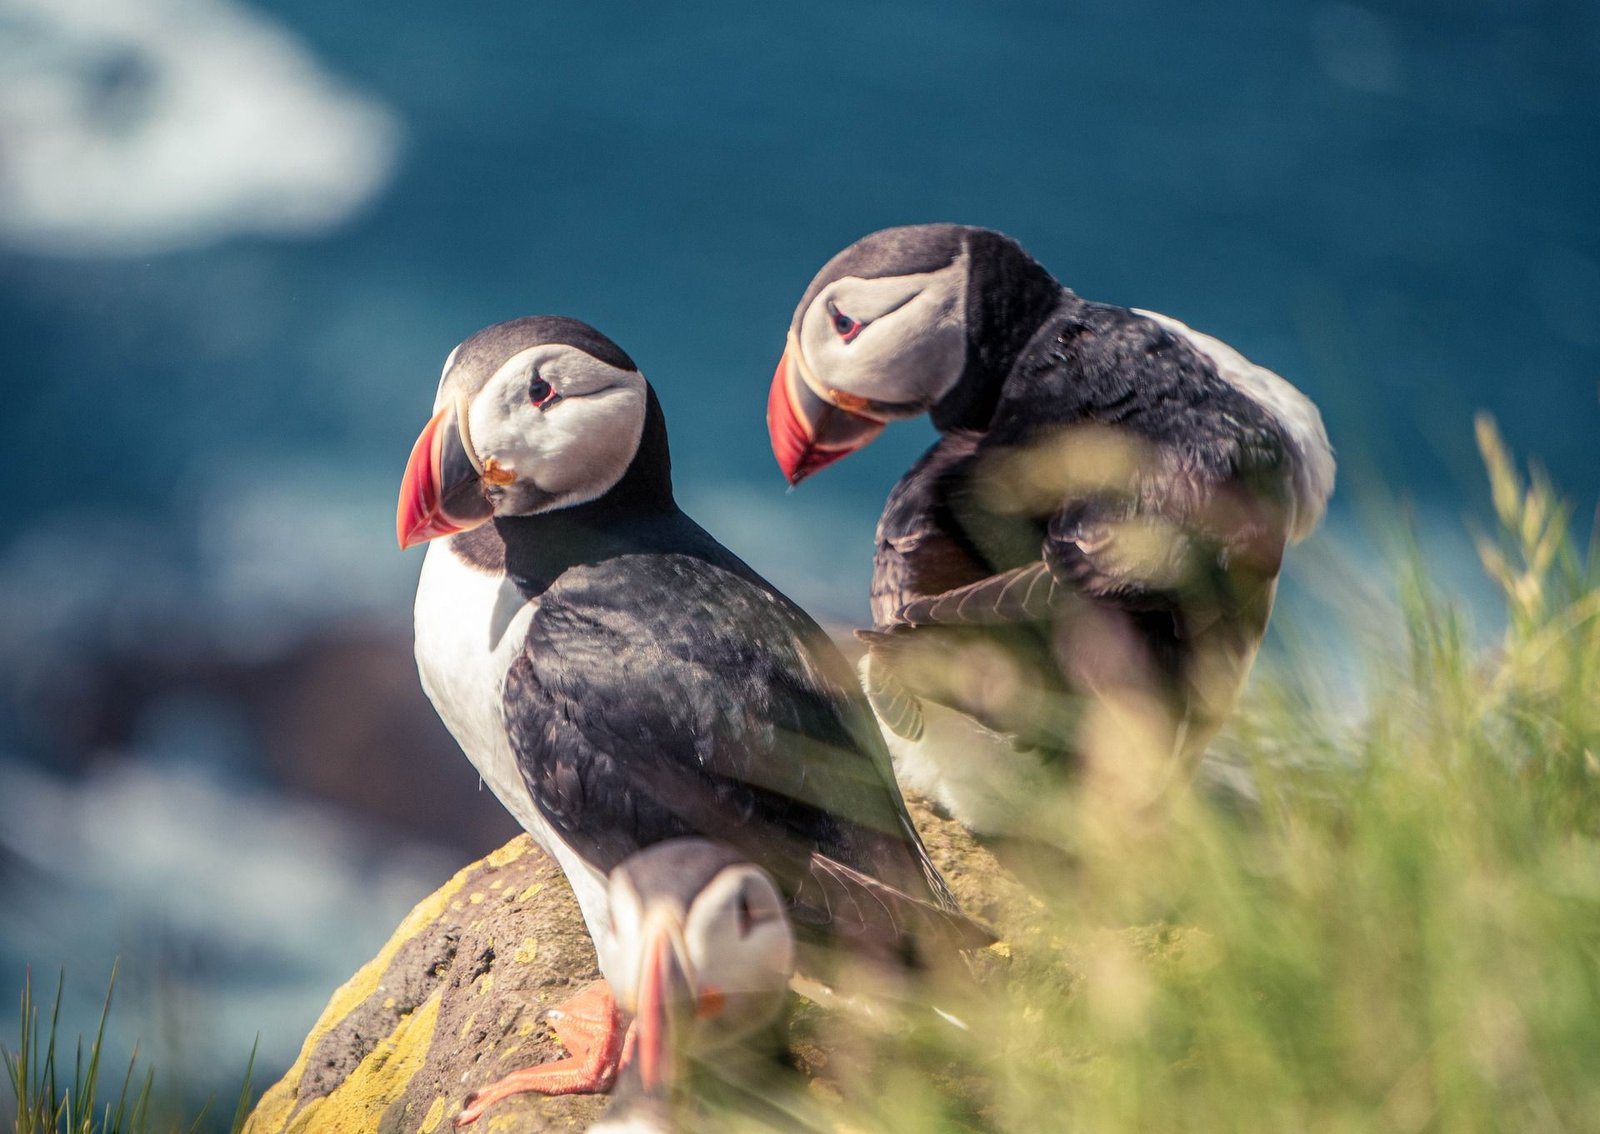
[(140, 126)]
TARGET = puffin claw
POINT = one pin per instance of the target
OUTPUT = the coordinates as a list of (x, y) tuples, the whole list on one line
[(470, 1110), (590, 1028)]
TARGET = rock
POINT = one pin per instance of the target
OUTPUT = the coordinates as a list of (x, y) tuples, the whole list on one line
[(454, 1000), (451, 1003)]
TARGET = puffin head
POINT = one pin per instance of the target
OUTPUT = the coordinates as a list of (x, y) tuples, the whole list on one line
[(700, 951), (532, 415), (917, 319)]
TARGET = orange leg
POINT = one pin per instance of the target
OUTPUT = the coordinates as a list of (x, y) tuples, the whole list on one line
[(590, 1027)]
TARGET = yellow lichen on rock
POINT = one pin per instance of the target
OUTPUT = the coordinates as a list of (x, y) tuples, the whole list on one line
[(455, 1000), (509, 853), (357, 1105), (439, 1012), (435, 1115), (272, 1113)]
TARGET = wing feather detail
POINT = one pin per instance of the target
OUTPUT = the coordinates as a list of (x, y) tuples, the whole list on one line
[(1031, 593)]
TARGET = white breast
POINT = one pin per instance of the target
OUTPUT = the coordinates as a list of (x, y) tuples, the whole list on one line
[(972, 772), (471, 625)]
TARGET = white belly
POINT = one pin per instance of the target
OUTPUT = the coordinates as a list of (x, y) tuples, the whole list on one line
[(470, 627), (972, 772)]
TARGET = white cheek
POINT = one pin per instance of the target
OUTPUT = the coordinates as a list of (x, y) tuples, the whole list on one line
[(515, 436), (574, 451), (621, 953), (912, 353), (921, 357), (586, 443), (757, 965), (753, 978), (914, 356)]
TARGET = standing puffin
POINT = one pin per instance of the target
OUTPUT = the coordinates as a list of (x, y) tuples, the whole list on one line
[(1085, 561), (618, 678)]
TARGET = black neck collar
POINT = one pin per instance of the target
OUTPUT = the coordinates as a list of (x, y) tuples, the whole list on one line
[(1009, 295)]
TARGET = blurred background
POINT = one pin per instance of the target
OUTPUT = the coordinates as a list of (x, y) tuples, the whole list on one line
[(238, 240)]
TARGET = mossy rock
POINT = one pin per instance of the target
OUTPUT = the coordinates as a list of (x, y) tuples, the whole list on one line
[(455, 999)]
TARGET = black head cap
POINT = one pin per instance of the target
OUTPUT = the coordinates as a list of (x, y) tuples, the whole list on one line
[(487, 349), (680, 868), (904, 251)]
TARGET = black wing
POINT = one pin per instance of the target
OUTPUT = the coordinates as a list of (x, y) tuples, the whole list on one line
[(1109, 587), (661, 695), (922, 548)]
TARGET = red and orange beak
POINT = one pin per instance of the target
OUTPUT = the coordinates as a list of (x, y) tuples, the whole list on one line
[(442, 490), (808, 431), (666, 1005)]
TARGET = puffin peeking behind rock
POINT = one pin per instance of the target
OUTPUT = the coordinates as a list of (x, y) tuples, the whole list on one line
[(1076, 577), (703, 953), (619, 678)]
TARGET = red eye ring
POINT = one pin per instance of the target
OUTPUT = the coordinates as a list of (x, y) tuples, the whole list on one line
[(541, 393), (846, 327)]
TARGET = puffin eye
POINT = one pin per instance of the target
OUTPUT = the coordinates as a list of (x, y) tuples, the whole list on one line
[(847, 327), (747, 918), (540, 392)]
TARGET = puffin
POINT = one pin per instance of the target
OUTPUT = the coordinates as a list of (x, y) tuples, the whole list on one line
[(1074, 580), (703, 951), (618, 678)]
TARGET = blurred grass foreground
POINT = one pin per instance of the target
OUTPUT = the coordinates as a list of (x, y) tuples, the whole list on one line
[(1394, 924), (1382, 914)]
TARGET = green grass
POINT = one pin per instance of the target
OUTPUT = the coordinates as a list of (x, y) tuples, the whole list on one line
[(48, 1103), (1400, 931)]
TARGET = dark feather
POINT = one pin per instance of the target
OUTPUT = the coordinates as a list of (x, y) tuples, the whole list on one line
[(1025, 594), (859, 907), (663, 695)]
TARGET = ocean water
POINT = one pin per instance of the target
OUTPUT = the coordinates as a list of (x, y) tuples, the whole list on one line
[(237, 242)]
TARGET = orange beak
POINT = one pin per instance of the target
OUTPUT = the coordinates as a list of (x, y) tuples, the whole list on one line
[(808, 432), (442, 491), (665, 998)]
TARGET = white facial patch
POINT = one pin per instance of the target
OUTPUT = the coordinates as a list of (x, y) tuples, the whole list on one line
[(912, 344), (620, 948), (573, 448), (738, 950), (755, 962), (746, 957), (1296, 414)]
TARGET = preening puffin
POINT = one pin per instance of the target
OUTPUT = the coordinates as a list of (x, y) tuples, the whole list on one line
[(1083, 565), (619, 678)]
